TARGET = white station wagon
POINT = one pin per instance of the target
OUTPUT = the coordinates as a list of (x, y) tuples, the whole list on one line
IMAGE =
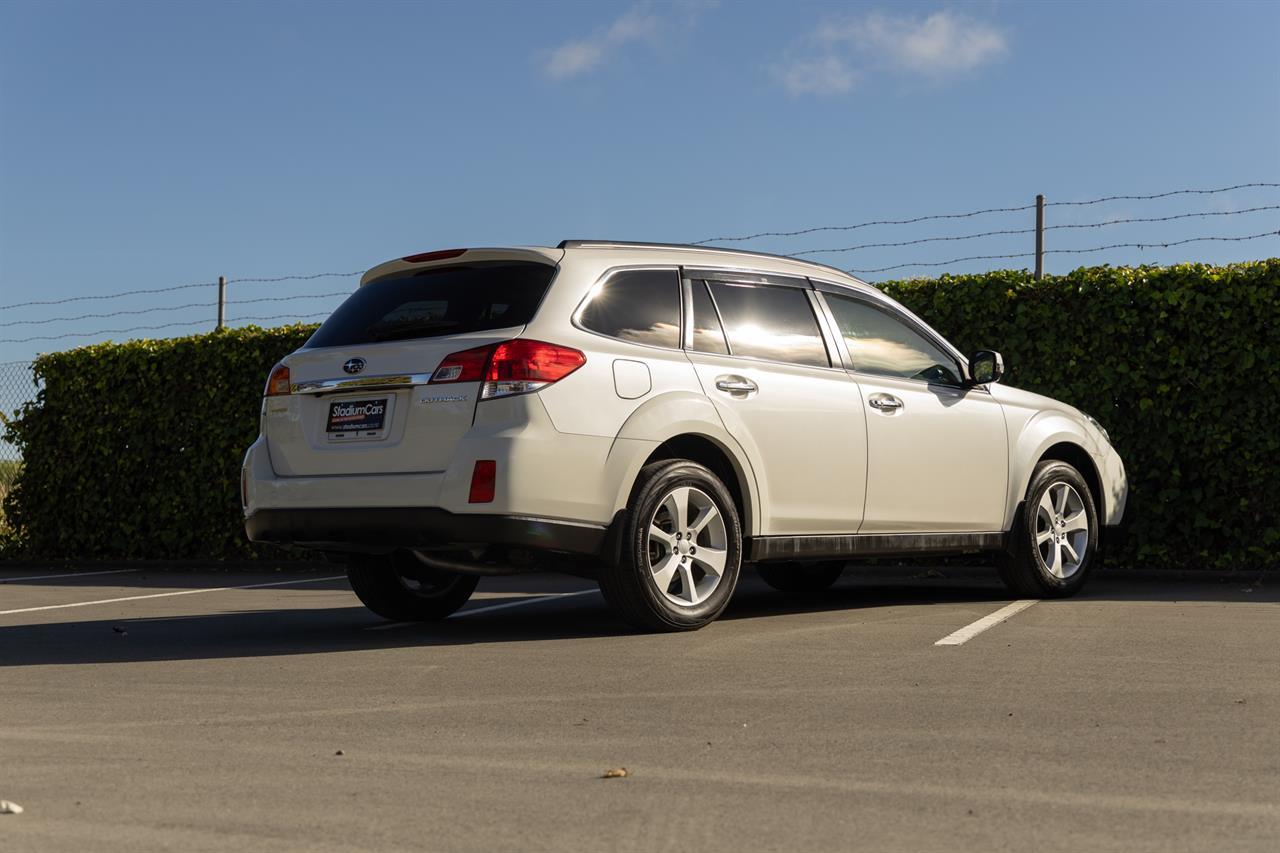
[(655, 416)]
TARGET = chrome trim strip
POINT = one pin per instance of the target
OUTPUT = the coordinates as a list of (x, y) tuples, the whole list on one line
[(363, 383)]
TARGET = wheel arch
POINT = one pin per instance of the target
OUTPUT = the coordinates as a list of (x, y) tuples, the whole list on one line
[(1050, 434), (1077, 457), (685, 425), (710, 453)]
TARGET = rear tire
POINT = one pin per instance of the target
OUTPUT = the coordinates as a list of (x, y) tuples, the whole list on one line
[(681, 549), (1055, 539), (400, 588), (796, 578)]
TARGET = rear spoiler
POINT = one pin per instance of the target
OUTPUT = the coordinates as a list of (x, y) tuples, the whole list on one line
[(457, 257)]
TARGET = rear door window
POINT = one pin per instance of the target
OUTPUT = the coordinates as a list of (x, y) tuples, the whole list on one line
[(774, 323), (638, 306), (437, 302)]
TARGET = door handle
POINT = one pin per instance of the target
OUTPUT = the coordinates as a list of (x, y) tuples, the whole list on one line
[(736, 385), (884, 403)]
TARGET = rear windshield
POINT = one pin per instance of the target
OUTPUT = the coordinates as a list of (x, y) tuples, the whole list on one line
[(438, 301)]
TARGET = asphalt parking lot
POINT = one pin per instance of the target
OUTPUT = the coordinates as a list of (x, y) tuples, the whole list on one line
[(182, 715)]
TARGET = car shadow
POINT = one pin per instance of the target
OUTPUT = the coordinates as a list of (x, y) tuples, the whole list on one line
[(329, 629), (142, 581), (302, 631)]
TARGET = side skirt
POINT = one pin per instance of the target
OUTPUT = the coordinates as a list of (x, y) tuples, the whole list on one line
[(762, 548)]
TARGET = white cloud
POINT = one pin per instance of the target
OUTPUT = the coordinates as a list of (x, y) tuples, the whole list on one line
[(638, 24), (825, 75), (633, 25), (572, 58), (939, 43), (936, 45)]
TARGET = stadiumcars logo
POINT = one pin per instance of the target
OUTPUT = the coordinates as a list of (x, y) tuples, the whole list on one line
[(356, 411), (364, 417)]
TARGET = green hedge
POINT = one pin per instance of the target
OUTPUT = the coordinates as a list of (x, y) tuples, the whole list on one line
[(133, 450), (1181, 365)]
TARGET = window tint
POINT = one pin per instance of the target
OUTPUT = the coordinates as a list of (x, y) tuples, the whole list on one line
[(640, 306), (881, 343), (708, 335), (775, 323), (438, 301)]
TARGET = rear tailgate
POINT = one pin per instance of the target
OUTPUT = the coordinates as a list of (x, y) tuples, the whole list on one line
[(361, 402)]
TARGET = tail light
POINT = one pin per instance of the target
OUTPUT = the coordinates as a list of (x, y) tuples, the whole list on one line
[(512, 367), (278, 382), (520, 366), (465, 366)]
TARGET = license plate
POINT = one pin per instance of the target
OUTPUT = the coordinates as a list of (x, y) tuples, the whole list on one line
[(357, 418)]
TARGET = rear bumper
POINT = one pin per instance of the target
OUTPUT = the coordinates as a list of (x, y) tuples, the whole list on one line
[(390, 528)]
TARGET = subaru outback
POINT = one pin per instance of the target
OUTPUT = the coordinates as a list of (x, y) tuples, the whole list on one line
[(655, 417)]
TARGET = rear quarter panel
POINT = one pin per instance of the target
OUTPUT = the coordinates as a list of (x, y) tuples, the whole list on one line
[(588, 402), (686, 413)]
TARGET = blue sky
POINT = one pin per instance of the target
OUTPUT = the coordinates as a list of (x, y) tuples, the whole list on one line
[(158, 144)]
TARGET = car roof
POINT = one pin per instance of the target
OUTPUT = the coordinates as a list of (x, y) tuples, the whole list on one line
[(688, 254), (627, 252)]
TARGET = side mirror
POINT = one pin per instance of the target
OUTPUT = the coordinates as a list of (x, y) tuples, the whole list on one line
[(985, 366)]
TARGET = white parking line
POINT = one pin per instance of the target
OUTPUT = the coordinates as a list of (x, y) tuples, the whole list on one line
[(70, 575), (520, 603), (169, 594), (968, 632)]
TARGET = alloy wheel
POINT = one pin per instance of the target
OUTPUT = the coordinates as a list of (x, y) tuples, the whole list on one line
[(688, 546), (1062, 530)]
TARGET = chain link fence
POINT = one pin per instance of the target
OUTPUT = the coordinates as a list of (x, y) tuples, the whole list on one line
[(17, 386)]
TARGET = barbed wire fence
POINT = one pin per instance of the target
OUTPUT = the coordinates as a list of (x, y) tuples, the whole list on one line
[(17, 385)]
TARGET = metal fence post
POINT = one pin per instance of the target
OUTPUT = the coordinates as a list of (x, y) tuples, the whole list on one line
[(1039, 237), (222, 301)]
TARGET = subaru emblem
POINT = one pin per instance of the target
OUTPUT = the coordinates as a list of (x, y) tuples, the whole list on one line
[(353, 365)]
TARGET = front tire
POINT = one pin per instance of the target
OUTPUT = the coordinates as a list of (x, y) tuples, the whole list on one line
[(400, 588), (681, 549), (800, 578), (1055, 540)]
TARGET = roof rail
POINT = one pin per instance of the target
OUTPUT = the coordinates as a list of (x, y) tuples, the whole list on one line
[(578, 244)]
